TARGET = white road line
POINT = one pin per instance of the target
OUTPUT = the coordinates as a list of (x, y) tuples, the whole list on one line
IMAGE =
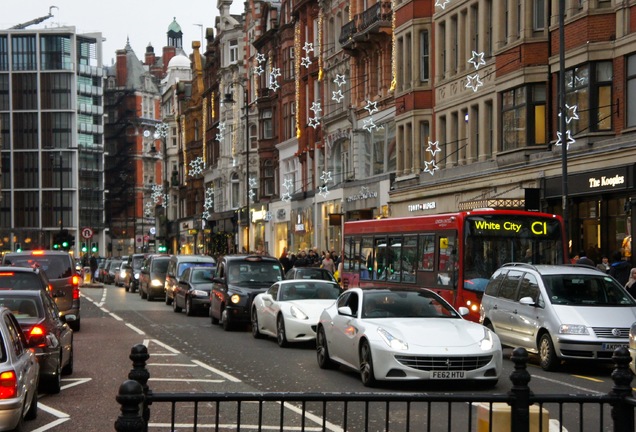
[(74, 382), (52, 411), (566, 384), (117, 317), (161, 344), (314, 418), (141, 332), (216, 371), (186, 380), (51, 425), (171, 364), (103, 309)]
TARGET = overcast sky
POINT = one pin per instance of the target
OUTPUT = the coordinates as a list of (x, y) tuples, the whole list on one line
[(143, 21)]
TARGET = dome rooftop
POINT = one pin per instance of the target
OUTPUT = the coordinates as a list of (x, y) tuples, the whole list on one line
[(174, 26), (179, 61)]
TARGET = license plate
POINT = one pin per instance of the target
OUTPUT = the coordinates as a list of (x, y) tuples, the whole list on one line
[(613, 346), (447, 375)]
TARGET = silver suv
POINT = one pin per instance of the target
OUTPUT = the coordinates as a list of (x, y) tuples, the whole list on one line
[(560, 312)]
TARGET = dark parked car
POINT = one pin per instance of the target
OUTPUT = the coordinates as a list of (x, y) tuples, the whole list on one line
[(237, 280), (102, 269), (178, 264), (310, 273), (153, 277), (20, 375), (59, 267), (47, 333), (193, 290), (115, 263)]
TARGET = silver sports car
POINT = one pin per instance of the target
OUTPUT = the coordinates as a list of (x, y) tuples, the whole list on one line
[(401, 334)]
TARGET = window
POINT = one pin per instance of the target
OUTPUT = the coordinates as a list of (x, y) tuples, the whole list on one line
[(631, 91), (233, 51), (589, 87), (523, 112), (424, 56), (268, 178), (55, 52), (235, 186), (23, 53), (383, 156), (538, 15), (266, 124)]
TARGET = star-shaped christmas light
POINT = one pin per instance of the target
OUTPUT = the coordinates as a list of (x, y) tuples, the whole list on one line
[(569, 139), (306, 61), (287, 183), (308, 47), (572, 114), (337, 96), (430, 167), (268, 216), (196, 166), (323, 191), (313, 122), (252, 182), (477, 59), (442, 3), (260, 57), (219, 137), (369, 125), (222, 127), (372, 107), (315, 107), (275, 73), (205, 215), (326, 176), (433, 147), (340, 80), (258, 70), (251, 194), (273, 85), (286, 197), (161, 130), (164, 201), (473, 82)]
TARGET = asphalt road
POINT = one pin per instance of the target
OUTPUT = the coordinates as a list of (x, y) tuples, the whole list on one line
[(190, 354)]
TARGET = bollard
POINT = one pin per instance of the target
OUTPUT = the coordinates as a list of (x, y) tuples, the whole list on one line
[(520, 392), (130, 397), (622, 412), (139, 356)]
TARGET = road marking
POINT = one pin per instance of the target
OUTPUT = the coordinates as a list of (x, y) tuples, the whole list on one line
[(171, 364), (161, 344), (313, 417), (74, 382), (588, 378), (233, 426), (141, 332), (216, 371), (117, 317), (52, 411), (186, 380), (51, 425), (566, 384)]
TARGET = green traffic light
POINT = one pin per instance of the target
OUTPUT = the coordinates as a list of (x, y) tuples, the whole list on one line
[(56, 246), (65, 244)]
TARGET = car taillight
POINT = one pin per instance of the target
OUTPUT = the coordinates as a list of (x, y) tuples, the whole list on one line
[(76, 293), (37, 336), (8, 384), (76, 280)]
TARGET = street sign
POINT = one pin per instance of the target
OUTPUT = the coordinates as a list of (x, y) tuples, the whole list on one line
[(87, 233), (139, 239)]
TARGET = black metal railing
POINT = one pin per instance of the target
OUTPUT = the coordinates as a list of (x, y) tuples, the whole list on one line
[(249, 411)]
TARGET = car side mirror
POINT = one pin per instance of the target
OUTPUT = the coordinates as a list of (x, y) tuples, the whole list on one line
[(463, 310), (345, 310), (529, 301)]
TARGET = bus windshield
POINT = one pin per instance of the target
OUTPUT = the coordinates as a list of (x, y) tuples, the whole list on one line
[(493, 240)]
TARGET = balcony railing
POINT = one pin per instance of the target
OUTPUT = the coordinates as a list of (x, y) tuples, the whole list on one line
[(370, 21)]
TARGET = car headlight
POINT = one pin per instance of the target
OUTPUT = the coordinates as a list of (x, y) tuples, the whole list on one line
[(297, 313), (486, 343), (235, 298), (156, 283), (573, 329), (136, 276), (392, 341), (122, 273), (199, 293)]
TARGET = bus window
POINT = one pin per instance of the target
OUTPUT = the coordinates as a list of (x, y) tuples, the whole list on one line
[(409, 258), (394, 259), (447, 269), (380, 262), (366, 257), (427, 251)]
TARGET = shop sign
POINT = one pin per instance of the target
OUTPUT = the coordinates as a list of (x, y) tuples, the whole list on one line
[(431, 205), (596, 182), (364, 194)]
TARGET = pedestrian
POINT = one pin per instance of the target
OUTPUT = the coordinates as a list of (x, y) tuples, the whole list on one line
[(584, 260), (604, 266), (93, 266), (631, 283), (619, 269), (285, 261), (327, 263)]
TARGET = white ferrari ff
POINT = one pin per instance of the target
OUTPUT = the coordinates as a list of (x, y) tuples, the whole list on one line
[(400, 334), (289, 310)]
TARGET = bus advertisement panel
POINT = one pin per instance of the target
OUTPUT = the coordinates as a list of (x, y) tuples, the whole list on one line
[(453, 254)]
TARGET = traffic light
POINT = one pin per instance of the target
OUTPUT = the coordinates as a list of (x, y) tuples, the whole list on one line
[(94, 247), (162, 248), (18, 247), (84, 247), (57, 240)]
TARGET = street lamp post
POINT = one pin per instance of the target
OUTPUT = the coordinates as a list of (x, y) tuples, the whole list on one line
[(161, 133)]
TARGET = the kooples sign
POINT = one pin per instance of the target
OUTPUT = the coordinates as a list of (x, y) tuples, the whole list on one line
[(596, 182)]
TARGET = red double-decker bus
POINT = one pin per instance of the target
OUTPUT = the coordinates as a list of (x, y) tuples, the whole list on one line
[(454, 254)]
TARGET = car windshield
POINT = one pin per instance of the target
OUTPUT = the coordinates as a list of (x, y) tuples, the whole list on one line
[(586, 290), (263, 272), (20, 280), (55, 266), (309, 291), (405, 304), (313, 273), (160, 265), (200, 276), (137, 261)]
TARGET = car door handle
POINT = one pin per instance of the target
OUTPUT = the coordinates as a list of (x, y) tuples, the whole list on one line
[(495, 307)]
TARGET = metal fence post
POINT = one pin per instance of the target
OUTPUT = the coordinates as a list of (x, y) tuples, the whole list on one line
[(139, 356), (622, 412), (520, 392), (130, 397)]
